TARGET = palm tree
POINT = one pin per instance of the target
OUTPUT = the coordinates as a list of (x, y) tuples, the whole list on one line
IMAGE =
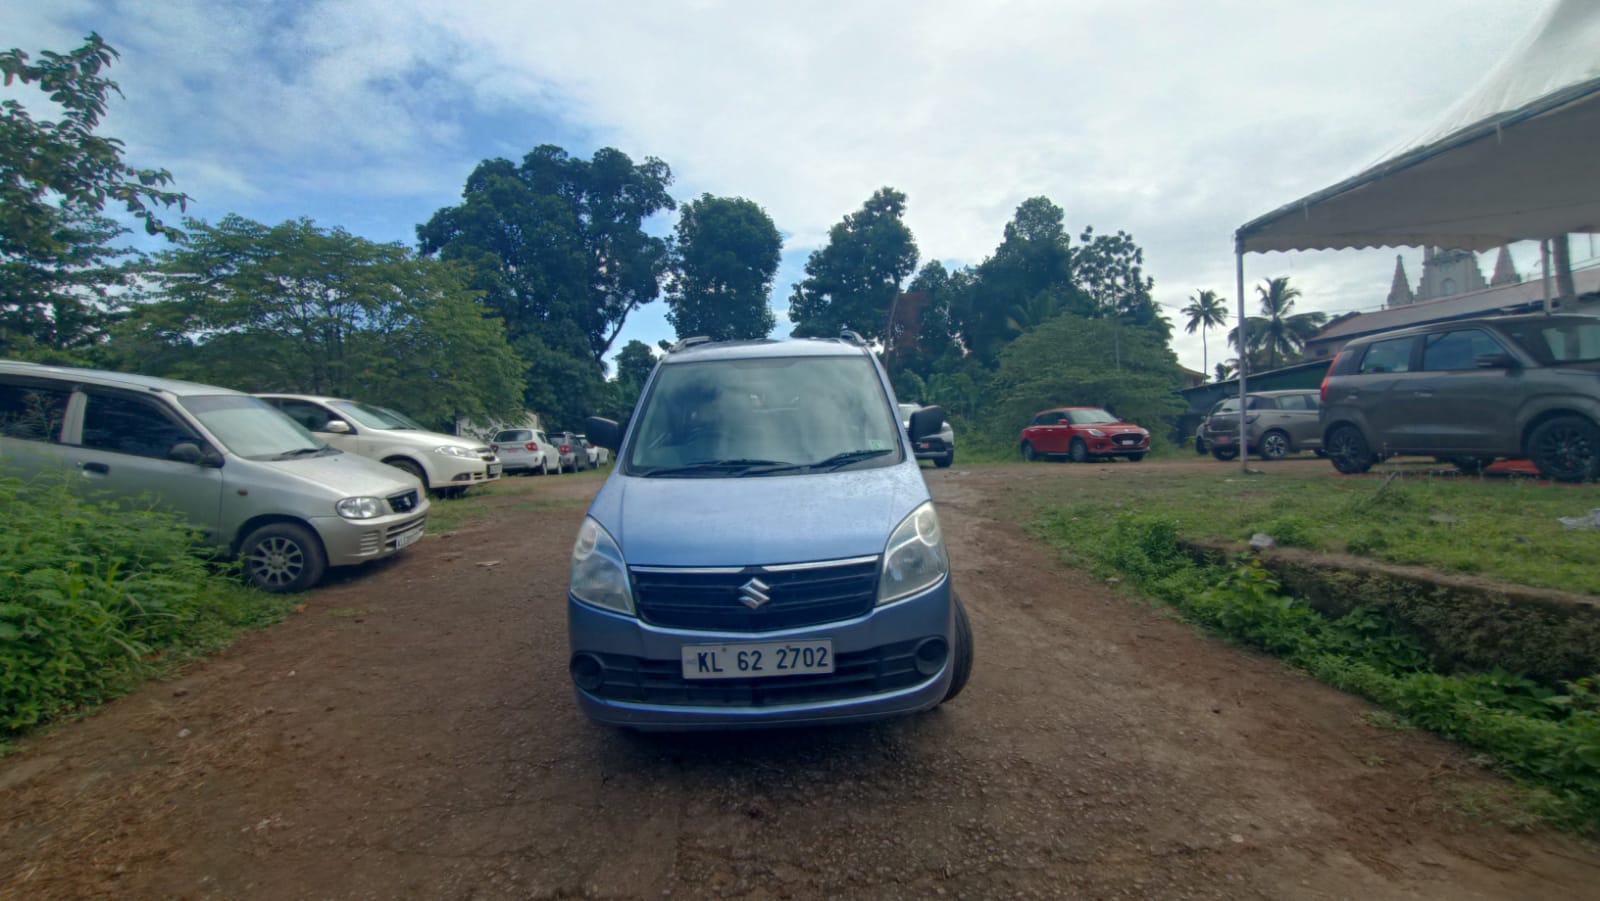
[(1205, 311), (1284, 333)]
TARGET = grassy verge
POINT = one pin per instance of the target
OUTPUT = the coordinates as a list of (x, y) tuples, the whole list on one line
[(1545, 737), (94, 599), (1503, 528)]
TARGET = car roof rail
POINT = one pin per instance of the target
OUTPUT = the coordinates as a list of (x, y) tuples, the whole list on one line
[(852, 336), (687, 343)]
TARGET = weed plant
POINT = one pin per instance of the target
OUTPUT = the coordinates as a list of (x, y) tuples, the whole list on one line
[(1547, 737), (94, 598)]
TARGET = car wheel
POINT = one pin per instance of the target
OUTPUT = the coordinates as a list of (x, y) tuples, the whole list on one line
[(1274, 445), (1566, 449), (282, 557), (1349, 450), (1470, 465), (1078, 451), (412, 468), (544, 467), (1225, 453), (945, 461), (961, 659), (1199, 446), (1134, 458), (1028, 453)]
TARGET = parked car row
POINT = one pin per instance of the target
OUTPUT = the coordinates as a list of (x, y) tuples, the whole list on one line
[(533, 452)]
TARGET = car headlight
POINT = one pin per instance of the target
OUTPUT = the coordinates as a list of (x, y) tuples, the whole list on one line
[(455, 450), (915, 557), (599, 575), (360, 507), (1097, 433)]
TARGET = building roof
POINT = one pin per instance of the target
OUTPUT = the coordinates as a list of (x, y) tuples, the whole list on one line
[(1488, 301)]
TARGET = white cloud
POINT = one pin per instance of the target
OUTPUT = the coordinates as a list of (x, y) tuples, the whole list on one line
[(1175, 121)]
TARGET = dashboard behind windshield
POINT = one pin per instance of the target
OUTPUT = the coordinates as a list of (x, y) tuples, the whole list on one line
[(249, 426)]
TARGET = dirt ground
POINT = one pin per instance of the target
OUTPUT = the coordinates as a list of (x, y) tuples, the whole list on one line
[(411, 734)]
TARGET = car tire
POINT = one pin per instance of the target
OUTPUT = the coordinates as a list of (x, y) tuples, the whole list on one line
[(544, 467), (413, 469), (1134, 458), (961, 654), (1028, 453), (1078, 451), (1274, 445), (945, 461), (1225, 453), (1349, 451), (1566, 449), (1199, 446), (282, 557)]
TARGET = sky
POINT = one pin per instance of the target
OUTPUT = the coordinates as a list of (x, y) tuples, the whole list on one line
[(1172, 120)]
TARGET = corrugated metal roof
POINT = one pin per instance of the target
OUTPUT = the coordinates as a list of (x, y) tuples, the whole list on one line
[(1489, 300)]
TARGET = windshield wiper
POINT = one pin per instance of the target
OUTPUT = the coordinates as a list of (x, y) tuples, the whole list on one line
[(713, 466), (302, 452), (837, 461)]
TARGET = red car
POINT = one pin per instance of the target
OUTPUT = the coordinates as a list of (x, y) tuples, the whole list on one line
[(1082, 433)]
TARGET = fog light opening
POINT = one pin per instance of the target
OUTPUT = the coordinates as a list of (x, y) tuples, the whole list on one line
[(930, 656), (587, 672)]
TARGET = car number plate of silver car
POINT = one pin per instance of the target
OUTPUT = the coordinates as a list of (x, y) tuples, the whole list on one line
[(756, 660), (406, 539), (494, 470)]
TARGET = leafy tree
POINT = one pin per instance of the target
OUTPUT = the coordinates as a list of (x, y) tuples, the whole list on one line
[(724, 260), (59, 268), (559, 241), (1109, 269), (852, 280), (1278, 331), (1028, 279), (1205, 311), (293, 307), (1069, 360), (635, 363)]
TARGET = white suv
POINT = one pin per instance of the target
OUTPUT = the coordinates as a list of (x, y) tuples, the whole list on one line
[(445, 464)]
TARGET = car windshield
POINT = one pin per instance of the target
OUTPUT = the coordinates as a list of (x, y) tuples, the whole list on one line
[(1090, 417), (375, 417), (1559, 341), (763, 416), (251, 427)]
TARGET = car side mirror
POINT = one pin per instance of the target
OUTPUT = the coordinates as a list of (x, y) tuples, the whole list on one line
[(926, 421), (337, 427), (603, 432), (192, 453), (1495, 361)]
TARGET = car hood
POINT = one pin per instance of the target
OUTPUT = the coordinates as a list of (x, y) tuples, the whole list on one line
[(759, 519), (429, 440), (344, 474)]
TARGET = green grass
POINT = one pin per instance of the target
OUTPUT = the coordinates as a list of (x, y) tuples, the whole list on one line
[(1495, 527)]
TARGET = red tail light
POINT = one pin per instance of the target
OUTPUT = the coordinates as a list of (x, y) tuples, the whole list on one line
[(532, 445), (566, 448), (1331, 367)]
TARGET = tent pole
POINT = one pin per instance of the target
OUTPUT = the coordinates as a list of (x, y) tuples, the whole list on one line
[(1544, 263), (1244, 356)]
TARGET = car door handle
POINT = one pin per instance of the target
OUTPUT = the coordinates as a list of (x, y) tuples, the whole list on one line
[(1423, 393), (101, 468)]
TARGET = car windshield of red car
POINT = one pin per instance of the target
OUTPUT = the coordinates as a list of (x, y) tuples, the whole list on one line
[(1090, 417)]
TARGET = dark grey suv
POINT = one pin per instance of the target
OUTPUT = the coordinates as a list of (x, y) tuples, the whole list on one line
[(1470, 391)]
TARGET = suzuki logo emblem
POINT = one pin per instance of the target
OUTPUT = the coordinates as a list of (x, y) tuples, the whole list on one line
[(753, 593)]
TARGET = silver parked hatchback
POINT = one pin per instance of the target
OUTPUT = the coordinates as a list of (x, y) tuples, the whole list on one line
[(1277, 424)]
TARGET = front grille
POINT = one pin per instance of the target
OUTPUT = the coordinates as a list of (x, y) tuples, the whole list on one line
[(403, 503), (698, 599), (396, 532), (643, 681), (1128, 440)]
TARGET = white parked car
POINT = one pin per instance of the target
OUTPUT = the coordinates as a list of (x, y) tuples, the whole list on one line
[(445, 464), (526, 450)]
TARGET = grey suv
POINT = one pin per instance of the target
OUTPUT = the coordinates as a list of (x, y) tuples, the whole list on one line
[(1278, 423), (1470, 391)]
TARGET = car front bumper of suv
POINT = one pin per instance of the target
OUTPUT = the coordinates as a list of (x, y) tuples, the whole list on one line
[(643, 686)]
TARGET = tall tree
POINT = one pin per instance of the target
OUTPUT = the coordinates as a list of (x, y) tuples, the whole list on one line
[(294, 307), (59, 268), (852, 280), (559, 241), (1026, 280), (1278, 331), (1109, 269), (1206, 311), (724, 260), (635, 362)]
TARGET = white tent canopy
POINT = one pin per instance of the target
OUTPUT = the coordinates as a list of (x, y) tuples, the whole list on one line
[(1515, 159)]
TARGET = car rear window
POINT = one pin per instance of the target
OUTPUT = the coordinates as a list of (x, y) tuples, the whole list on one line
[(1559, 341), (513, 435)]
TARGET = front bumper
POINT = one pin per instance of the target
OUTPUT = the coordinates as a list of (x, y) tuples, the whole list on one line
[(644, 688), (1110, 446), (453, 471), (352, 541)]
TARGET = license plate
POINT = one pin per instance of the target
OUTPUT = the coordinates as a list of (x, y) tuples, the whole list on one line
[(1223, 439), (757, 660), (494, 470), (923, 445), (406, 539)]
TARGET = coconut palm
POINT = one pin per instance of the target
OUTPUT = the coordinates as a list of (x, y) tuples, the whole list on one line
[(1205, 311), (1277, 330)]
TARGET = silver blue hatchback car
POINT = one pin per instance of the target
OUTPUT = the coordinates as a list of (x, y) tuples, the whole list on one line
[(765, 551)]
